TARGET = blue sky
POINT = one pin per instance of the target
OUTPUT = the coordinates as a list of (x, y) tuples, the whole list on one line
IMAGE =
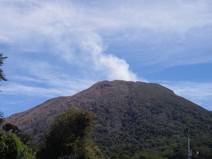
[(57, 48)]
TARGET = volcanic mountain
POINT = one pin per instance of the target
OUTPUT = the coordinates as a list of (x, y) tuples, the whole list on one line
[(130, 116)]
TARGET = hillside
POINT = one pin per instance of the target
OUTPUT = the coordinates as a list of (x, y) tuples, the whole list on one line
[(130, 116)]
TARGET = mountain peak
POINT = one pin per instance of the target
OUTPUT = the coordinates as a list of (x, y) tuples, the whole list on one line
[(126, 112), (150, 89)]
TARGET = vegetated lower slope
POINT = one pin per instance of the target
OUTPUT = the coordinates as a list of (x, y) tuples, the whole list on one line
[(130, 116)]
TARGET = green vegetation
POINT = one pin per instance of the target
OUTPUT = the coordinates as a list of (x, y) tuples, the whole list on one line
[(148, 155), (70, 137), (11, 147), (144, 154), (170, 148), (1, 118)]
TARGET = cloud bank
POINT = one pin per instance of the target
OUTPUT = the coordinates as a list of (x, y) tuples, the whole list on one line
[(61, 47), (73, 35)]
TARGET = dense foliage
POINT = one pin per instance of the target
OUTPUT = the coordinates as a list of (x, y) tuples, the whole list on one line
[(11, 147), (147, 155), (170, 148), (70, 137), (1, 118)]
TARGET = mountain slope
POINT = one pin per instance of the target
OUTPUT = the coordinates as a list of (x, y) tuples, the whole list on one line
[(129, 115)]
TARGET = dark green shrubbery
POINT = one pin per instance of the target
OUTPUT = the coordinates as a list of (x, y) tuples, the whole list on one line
[(11, 147), (70, 137), (147, 155)]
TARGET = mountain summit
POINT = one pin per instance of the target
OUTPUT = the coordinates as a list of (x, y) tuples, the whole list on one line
[(129, 116)]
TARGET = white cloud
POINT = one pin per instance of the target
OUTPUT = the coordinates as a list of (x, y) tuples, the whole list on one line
[(23, 89), (74, 32), (58, 87), (66, 29), (44, 86), (43, 79)]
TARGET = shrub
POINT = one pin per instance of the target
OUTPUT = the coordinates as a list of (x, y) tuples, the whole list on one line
[(70, 137), (11, 147)]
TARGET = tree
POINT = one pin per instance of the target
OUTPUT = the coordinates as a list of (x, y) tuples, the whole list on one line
[(11, 147), (70, 137), (2, 77), (7, 127), (1, 118), (147, 155)]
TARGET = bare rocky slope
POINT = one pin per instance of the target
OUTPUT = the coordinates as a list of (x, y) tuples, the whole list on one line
[(129, 115)]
